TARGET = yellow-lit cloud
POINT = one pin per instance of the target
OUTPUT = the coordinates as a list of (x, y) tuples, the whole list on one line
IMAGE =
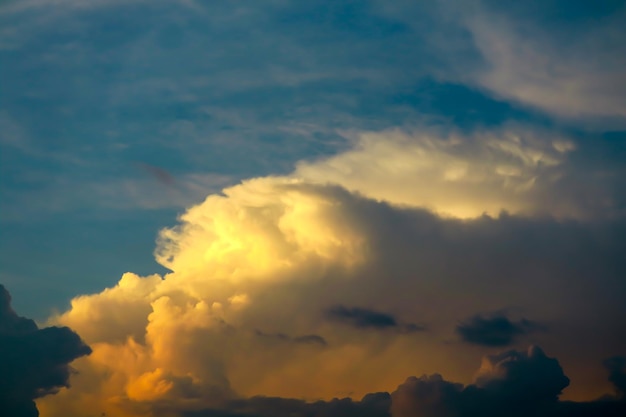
[(256, 268), (453, 175)]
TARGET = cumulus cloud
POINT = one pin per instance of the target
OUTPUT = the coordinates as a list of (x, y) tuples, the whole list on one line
[(494, 330), (520, 378), (240, 314), (511, 383), (274, 280), (33, 362)]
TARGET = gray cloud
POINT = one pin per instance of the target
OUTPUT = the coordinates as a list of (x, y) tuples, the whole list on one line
[(33, 362), (494, 330), (364, 318)]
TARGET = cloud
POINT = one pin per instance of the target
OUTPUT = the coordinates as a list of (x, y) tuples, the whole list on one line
[(617, 374), (494, 330), (542, 67), (511, 383), (394, 223), (426, 396), (513, 169), (521, 378), (239, 316), (361, 317), (371, 405), (33, 362), (307, 339), (364, 318)]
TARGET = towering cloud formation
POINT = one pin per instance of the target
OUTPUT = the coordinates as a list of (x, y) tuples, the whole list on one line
[(305, 286), (33, 362)]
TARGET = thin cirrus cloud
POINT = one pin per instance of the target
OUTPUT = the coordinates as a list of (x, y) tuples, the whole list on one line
[(544, 72)]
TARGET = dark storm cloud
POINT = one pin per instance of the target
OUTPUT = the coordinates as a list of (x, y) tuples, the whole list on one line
[(494, 330), (364, 318), (33, 362)]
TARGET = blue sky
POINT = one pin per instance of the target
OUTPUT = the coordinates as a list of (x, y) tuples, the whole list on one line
[(225, 92), (117, 116)]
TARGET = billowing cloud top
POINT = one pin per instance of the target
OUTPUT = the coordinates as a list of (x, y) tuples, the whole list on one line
[(266, 292)]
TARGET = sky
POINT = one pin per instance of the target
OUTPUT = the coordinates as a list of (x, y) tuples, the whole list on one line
[(339, 208)]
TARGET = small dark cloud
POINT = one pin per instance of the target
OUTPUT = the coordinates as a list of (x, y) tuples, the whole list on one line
[(33, 362), (363, 318), (309, 339), (496, 330)]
